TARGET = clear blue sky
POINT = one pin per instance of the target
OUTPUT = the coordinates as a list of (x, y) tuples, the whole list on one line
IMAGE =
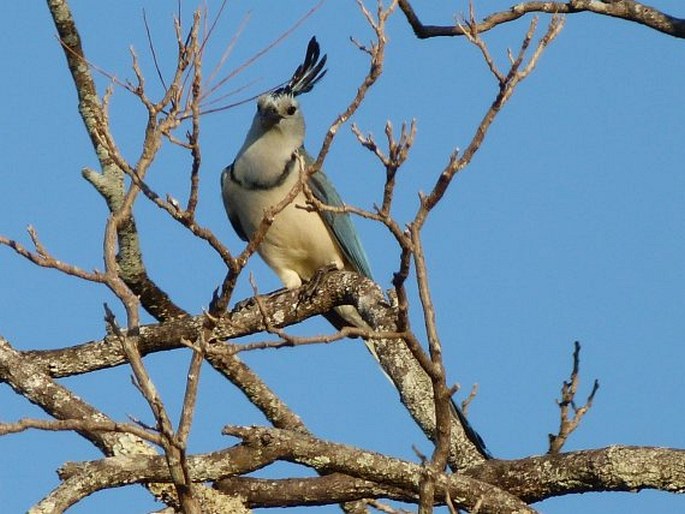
[(569, 225)]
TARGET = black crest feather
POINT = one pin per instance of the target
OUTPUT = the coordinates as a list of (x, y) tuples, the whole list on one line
[(307, 74)]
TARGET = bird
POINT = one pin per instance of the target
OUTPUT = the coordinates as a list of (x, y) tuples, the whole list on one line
[(300, 242)]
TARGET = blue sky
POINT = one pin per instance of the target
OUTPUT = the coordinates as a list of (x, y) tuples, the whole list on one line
[(568, 225)]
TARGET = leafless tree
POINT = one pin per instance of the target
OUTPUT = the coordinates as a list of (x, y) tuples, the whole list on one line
[(456, 474)]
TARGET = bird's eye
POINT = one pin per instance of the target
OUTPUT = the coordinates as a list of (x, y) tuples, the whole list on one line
[(291, 110)]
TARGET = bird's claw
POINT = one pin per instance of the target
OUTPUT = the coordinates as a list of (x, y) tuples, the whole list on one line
[(310, 287), (244, 304)]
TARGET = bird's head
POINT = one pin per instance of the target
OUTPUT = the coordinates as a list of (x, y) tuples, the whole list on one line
[(280, 107), (278, 111), (281, 111)]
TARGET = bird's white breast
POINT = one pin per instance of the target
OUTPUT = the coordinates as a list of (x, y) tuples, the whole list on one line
[(298, 243)]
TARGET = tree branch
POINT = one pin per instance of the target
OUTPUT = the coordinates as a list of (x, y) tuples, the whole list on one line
[(627, 10), (328, 457), (517, 72), (28, 380), (377, 53), (298, 492), (616, 468), (284, 308), (568, 394), (109, 183), (174, 447), (355, 476), (533, 479), (84, 478)]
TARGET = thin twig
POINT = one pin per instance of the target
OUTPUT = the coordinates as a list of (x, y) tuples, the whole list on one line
[(190, 397), (151, 45), (568, 424), (514, 77), (78, 425), (377, 53), (43, 258), (282, 37), (194, 136), (466, 402)]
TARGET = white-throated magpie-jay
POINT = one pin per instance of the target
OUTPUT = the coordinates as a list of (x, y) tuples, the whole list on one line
[(300, 242)]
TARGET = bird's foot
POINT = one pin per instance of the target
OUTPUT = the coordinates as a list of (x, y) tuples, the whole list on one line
[(310, 287), (244, 304), (249, 302)]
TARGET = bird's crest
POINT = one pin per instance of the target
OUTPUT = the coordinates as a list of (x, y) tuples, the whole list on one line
[(307, 74)]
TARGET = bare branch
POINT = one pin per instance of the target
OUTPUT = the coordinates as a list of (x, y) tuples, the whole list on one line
[(109, 183), (282, 37), (397, 357), (324, 490), (628, 10), (386, 509), (471, 33), (78, 425), (43, 258), (567, 425), (174, 447), (532, 479), (328, 457), (190, 397), (514, 77), (194, 136), (82, 479), (467, 401), (35, 385), (398, 151), (615, 468), (151, 45), (290, 341), (377, 53), (442, 397)]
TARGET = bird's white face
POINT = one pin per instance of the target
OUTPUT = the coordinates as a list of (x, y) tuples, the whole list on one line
[(281, 110)]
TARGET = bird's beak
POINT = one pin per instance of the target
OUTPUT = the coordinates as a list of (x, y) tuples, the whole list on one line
[(270, 117)]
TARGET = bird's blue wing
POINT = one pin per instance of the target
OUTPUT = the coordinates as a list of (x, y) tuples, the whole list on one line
[(339, 224)]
